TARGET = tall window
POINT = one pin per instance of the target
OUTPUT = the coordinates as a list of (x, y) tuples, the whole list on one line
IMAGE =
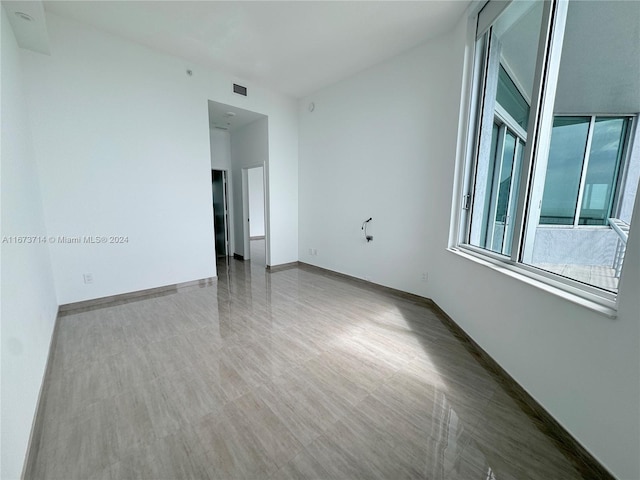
[(582, 176), (556, 159)]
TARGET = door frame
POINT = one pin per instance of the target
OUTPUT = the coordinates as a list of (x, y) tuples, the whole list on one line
[(228, 218), (246, 234)]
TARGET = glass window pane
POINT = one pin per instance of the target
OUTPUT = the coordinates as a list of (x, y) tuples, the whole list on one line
[(598, 78), (510, 59), (510, 98), (500, 197), (505, 177), (564, 169), (602, 170), (513, 198)]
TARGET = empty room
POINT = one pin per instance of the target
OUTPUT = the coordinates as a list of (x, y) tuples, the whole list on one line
[(320, 240)]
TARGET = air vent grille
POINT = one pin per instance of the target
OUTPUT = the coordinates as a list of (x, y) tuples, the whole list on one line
[(239, 89)]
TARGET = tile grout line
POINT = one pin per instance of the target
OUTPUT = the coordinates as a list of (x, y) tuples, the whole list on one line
[(542, 420)]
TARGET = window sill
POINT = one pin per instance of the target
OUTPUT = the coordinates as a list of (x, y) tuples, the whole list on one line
[(544, 226), (600, 305)]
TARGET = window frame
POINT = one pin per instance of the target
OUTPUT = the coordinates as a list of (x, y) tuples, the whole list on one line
[(540, 128), (552, 29), (620, 168)]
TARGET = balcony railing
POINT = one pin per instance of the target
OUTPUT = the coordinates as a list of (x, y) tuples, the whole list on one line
[(622, 229)]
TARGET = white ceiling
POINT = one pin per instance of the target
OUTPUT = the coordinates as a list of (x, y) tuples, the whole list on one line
[(226, 117), (294, 47)]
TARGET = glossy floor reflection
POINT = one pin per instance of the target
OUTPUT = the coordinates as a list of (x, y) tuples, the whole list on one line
[(292, 374)]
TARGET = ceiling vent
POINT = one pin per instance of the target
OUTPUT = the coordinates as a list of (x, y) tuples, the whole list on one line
[(239, 89)]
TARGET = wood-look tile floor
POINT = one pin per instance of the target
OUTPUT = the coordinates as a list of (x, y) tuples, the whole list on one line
[(286, 375)]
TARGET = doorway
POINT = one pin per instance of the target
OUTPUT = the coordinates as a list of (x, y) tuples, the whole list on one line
[(220, 212), (239, 145), (253, 209)]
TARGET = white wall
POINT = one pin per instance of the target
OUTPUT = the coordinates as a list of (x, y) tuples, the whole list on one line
[(250, 146), (367, 150), (383, 144), (122, 140), (220, 143), (28, 297), (256, 202)]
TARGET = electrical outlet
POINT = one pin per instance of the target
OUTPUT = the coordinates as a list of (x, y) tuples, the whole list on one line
[(425, 277), (311, 251), (88, 278), (315, 252)]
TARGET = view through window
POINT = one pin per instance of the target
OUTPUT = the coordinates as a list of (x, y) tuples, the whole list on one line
[(562, 206)]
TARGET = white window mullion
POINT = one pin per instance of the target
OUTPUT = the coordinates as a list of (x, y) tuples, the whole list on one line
[(515, 174), (495, 187), (583, 175), (508, 120), (489, 14), (477, 82), (482, 167), (554, 18)]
